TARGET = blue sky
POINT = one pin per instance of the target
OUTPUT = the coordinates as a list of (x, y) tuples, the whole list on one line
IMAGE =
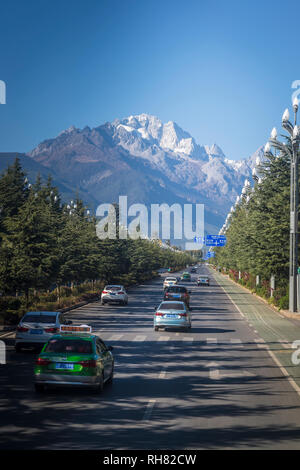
[(222, 70)]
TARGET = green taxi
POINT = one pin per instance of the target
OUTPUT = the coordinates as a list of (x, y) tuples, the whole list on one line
[(74, 357), (186, 277)]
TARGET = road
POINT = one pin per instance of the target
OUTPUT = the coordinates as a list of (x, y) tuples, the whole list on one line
[(214, 387)]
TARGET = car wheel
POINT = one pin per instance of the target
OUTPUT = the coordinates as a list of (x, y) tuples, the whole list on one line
[(39, 388), (111, 375), (101, 384), (156, 328)]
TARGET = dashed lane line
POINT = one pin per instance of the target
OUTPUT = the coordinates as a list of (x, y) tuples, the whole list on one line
[(139, 338)]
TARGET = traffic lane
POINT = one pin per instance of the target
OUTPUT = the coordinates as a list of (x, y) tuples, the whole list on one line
[(19, 401), (157, 376)]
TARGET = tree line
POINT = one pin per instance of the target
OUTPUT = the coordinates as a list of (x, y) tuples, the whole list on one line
[(258, 232), (47, 243)]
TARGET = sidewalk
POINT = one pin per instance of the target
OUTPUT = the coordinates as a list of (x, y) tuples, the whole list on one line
[(277, 332)]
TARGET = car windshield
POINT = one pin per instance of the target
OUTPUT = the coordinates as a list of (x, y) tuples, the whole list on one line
[(113, 288), (203, 278), (77, 346), (177, 289), (39, 319), (171, 279), (186, 275), (171, 306)]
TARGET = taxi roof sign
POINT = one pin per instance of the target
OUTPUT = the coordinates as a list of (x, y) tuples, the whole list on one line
[(75, 329)]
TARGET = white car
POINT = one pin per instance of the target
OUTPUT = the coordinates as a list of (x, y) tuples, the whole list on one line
[(36, 328), (170, 281), (114, 293)]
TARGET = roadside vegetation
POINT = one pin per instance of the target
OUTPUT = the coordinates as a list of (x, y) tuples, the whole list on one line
[(50, 256), (258, 234)]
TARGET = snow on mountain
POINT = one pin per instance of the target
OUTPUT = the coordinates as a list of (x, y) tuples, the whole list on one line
[(150, 161)]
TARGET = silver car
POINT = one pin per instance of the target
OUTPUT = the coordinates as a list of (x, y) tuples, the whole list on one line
[(36, 328), (114, 293), (171, 314)]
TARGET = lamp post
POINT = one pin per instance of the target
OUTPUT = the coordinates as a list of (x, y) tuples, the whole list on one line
[(293, 152)]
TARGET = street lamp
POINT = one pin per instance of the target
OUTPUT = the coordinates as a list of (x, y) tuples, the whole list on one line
[(292, 151)]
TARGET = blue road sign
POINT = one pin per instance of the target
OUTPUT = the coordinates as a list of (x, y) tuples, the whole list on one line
[(215, 240)]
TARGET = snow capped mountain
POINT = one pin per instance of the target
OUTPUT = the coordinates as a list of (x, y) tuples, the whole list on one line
[(148, 160)]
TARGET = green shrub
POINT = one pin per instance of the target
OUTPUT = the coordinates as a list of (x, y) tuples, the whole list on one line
[(283, 303)]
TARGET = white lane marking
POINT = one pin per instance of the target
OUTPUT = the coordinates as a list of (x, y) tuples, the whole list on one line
[(162, 374), (236, 341), (214, 373), (6, 335), (177, 334), (115, 338), (211, 340), (285, 344), (139, 338), (149, 409), (260, 343), (187, 338), (163, 338)]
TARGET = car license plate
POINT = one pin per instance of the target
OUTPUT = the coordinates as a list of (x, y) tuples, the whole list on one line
[(112, 293), (170, 315), (62, 365), (176, 296), (36, 332)]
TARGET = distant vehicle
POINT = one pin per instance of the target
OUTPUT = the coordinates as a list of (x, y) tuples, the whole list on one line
[(177, 293), (193, 270), (74, 357), (203, 281), (36, 328), (114, 293), (169, 281), (186, 277), (172, 315)]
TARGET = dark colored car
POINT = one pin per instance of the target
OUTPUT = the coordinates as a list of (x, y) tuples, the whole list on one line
[(193, 270), (179, 293)]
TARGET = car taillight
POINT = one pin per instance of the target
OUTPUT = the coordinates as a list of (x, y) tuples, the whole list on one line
[(167, 294), (42, 362), (22, 329), (159, 314), (90, 363), (104, 292), (51, 330), (182, 314), (120, 292), (185, 294)]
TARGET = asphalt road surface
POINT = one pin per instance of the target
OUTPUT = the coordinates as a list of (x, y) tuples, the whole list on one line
[(213, 387)]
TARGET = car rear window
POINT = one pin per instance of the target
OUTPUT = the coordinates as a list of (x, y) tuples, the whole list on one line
[(171, 279), (72, 346), (39, 319), (171, 306), (176, 289), (113, 288)]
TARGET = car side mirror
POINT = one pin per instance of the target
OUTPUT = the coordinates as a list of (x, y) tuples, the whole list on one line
[(69, 322), (110, 348), (191, 309), (190, 291)]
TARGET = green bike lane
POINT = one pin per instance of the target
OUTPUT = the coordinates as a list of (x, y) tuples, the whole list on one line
[(277, 332)]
